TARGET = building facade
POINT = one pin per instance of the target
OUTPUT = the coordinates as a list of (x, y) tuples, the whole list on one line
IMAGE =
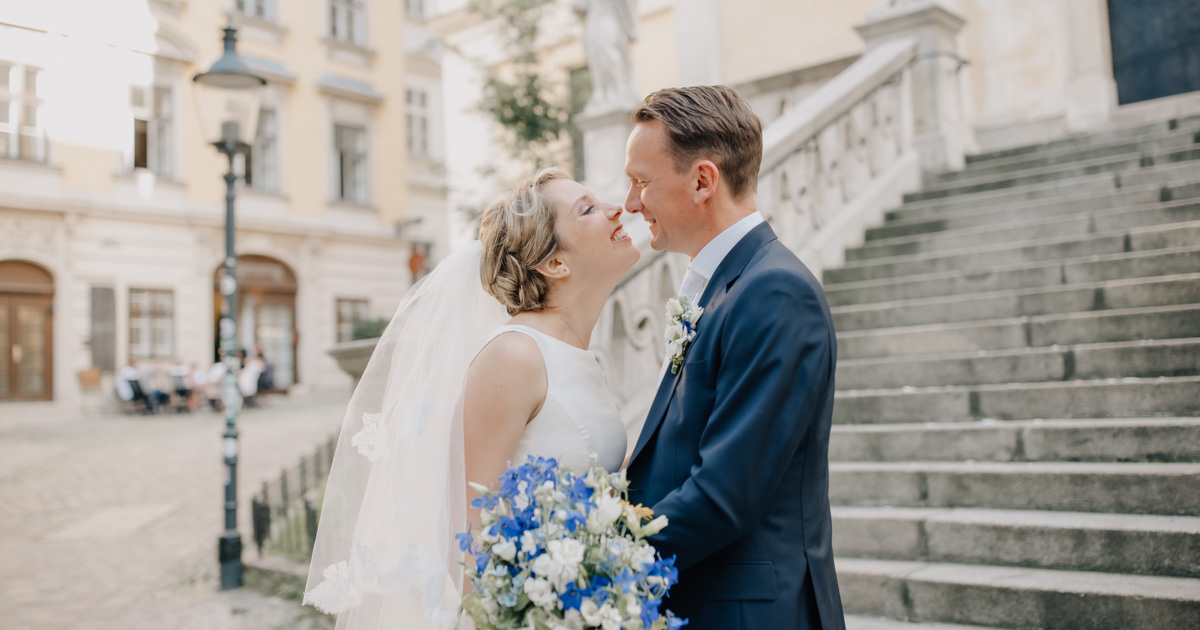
[(1023, 70), (112, 202)]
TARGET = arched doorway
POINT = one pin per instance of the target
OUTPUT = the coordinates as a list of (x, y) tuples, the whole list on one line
[(266, 304), (26, 332)]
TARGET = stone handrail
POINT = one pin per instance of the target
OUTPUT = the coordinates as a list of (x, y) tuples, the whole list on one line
[(831, 167)]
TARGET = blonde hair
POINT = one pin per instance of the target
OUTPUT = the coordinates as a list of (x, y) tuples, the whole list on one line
[(517, 234)]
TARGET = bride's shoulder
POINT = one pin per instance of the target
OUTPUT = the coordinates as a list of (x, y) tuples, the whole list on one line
[(512, 352), (508, 372)]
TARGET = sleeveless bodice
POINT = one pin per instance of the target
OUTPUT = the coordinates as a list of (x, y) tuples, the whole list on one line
[(579, 416)]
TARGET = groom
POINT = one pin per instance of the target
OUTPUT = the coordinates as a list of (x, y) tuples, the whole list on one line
[(735, 447)]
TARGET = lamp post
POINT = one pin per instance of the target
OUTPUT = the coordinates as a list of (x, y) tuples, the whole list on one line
[(227, 100)]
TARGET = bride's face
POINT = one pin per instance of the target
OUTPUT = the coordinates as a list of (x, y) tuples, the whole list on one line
[(592, 241)]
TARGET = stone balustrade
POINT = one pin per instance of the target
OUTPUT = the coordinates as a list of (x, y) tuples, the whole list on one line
[(831, 166)]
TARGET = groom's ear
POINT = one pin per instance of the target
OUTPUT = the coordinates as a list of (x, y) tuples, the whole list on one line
[(556, 268), (706, 176)]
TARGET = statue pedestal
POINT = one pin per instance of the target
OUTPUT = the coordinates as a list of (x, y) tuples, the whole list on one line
[(604, 138)]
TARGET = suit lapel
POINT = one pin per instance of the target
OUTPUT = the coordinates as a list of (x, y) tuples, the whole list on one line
[(727, 272)]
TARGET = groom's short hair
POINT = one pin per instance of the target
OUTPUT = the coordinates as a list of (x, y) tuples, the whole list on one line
[(709, 122)]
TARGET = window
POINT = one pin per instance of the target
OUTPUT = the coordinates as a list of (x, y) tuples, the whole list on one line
[(415, 9), (418, 122), (22, 110), (151, 324), (349, 312), (262, 161), (350, 156), (347, 21), (153, 111), (262, 9)]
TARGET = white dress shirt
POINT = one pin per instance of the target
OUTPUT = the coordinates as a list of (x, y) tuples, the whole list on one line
[(705, 264)]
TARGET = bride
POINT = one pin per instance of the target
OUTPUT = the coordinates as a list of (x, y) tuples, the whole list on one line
[(462, 383)]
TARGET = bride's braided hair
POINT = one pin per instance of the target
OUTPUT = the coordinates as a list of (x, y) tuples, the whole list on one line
[(517, 234)]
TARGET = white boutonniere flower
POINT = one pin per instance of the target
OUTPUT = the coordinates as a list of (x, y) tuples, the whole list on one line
[(682, 317)]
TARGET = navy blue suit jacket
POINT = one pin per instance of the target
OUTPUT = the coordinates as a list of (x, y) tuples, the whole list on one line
[(735, 450)]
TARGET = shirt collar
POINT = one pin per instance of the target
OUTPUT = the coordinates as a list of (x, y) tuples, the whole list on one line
[(706, 262)]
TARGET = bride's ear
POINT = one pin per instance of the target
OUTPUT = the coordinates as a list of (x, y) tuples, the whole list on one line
[(556, 268)]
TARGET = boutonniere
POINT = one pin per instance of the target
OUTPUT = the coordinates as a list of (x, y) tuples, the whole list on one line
[(682, 317)]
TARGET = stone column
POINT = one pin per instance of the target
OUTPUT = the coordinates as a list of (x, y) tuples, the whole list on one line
[(1091, 91), (941, 132)]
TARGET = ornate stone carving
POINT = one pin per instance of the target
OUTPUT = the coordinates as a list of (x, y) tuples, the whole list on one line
[(609, 27)]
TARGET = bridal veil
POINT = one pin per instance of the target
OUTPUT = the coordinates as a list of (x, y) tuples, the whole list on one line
[(385, 554)]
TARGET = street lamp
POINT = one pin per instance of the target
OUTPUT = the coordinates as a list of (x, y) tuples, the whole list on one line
[(227, 100)]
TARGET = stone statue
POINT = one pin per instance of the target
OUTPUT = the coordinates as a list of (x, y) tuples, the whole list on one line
[(609, 26)]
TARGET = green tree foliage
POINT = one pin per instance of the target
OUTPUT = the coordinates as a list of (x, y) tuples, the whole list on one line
[(515, 94)]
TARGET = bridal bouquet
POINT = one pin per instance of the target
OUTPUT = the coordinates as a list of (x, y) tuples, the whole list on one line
[(563, 552)]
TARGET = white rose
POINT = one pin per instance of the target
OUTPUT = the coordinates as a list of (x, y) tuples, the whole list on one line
[(541, 594), (542, 566), (643, 555), (506, 550), (674, 308), (567, 551), (591, 612), (606, 512), (528, 542)]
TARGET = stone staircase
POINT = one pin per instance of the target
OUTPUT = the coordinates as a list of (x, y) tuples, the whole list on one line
[(1017, 429)]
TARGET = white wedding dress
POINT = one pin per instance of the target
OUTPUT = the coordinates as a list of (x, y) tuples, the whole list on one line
[(579, 416), (386, 555)]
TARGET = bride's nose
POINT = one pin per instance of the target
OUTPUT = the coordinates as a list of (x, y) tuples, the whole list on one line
[(614, 211)]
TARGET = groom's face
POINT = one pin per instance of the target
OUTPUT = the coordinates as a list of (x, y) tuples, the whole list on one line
[(657, 190)]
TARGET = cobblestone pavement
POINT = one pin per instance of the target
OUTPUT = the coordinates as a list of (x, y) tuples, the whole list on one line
[(112, 521)]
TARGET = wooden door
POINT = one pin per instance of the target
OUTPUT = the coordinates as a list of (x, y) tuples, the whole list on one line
[(26, 348)]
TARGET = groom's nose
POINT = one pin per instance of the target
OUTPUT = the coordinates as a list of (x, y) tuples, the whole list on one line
[(633, 202)]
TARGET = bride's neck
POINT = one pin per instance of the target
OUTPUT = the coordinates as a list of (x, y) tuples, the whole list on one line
[(579, 307)]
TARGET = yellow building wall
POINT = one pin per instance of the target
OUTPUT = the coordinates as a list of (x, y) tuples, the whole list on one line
[(88, 145), (768, 37), (655, 55)]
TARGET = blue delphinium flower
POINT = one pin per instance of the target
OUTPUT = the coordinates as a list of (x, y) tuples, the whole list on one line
[(571, 597)]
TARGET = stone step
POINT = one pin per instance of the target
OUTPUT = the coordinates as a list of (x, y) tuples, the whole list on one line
[(914, 221), (966, 260), (1145, 264), (1052, 300), (1083, 141), (1171, 489), (1012, 597), (1090, 440), (1079, 224), (1126, 397), (1140, 544), (1177, 139), (922, 221), (1177, 321), (1143, 359), (1056, 173), (867, 622), (1166, 174)]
